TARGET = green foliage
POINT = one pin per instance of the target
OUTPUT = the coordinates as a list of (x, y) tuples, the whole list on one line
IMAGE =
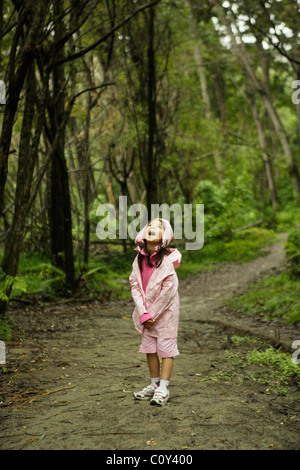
[(5, 329), (235, 339), (245, 246), (191, 132), (7, 283), (226, 207), (248, 244), (212, 197), (288, 217), (275, 296), (258, 363), (275, 369), (41, 276), (106, 275), (51, 279), (293, 251), (108, 272)]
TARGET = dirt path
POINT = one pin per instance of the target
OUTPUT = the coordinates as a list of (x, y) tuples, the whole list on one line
[(86, 356)]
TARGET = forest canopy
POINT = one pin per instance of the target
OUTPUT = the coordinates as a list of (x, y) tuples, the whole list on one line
[(165, 101)]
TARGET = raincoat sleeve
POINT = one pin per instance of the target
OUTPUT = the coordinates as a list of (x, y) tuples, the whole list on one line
[(166, 296), (137, 294), (146, 316)]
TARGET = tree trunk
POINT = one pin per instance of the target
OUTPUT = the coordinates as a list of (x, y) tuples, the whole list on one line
[(245, 61), (23, 50), (296, 73), (265, 154), (24, 196), (26, 163), (87, 184), (60, 206), (13, 241), (204, 87), (151, 185)]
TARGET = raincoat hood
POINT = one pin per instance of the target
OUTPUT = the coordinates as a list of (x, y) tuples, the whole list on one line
[(175, 257), (166, 238)]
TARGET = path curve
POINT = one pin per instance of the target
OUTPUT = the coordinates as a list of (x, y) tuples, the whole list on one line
[(72, 370)]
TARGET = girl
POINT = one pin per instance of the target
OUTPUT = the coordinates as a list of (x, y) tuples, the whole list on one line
[(154, 288)]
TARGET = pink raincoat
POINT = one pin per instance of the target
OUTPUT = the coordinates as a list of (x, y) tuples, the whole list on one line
[(161, 298)]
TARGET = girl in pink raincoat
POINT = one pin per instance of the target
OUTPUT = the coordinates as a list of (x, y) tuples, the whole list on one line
[(154, 288)]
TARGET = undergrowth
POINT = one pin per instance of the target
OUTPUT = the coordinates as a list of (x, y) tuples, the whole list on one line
[(274, 297), (265, 365), (5, 329), (246, 245), (108, 272)]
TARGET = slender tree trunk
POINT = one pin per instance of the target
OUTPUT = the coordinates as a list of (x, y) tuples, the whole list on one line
[(60, 204), (264, 149), (151, 185), (297, 105), (13, 92), (245, 61), (24, 178), (87, 184), (14, 239), (197, 49), (22, 53), (1, 26), (24, 196), (296, 73)]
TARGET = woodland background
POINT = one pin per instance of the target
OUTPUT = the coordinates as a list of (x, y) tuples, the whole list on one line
[(169, 101)]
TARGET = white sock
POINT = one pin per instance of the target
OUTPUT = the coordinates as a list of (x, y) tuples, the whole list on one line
[(155, 380), (164, 384)]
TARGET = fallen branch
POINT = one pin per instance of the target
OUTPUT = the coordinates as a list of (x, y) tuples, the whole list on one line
[(40, 394), (21, 300), (254, 224)]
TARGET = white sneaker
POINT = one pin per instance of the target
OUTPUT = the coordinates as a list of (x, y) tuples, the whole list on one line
[(160, 397), (147, 393)]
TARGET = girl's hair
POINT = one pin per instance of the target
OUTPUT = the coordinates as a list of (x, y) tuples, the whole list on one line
[(161, 253)]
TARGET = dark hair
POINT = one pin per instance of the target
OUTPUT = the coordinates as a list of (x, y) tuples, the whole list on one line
[(161, 253)]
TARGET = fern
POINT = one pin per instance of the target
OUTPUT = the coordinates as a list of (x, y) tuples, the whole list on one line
[(7, 283)]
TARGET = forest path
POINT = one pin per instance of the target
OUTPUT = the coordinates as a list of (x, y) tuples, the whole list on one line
[(72, 372)]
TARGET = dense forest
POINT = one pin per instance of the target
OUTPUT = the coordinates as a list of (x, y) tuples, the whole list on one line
[(165, 101)]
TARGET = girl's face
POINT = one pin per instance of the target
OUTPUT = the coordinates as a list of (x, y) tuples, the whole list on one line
[(154, 231)]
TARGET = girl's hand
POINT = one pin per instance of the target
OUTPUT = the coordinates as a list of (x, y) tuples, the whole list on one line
[(149, 324)]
